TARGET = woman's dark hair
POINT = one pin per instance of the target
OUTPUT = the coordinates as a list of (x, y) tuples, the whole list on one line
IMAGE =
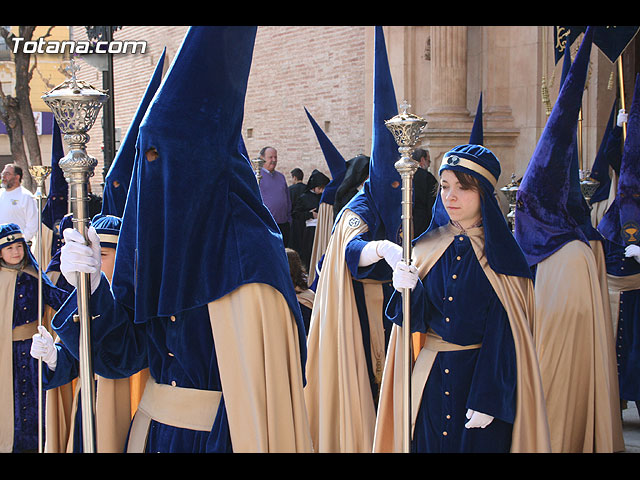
[(469, 182), (296, 270)]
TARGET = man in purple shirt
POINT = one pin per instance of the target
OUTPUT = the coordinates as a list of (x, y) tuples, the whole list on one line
[(275, 192)]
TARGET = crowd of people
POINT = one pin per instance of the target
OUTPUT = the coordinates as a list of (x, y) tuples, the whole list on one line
[(268, 316)]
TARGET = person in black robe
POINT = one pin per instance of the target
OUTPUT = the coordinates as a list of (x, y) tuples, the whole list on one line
[(307, 210)]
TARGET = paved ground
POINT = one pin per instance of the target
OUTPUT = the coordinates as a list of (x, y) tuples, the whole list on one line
[(631, 428)]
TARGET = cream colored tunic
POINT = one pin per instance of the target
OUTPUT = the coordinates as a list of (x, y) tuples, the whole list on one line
[(338, 394)]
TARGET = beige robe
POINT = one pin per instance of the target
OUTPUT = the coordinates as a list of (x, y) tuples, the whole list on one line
[(258, 351), (321, 237), (530, 429), (7, 335), (338, 394), (574, 339)]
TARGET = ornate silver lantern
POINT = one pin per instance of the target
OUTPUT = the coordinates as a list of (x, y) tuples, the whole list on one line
[(406, 129), (75, 105)]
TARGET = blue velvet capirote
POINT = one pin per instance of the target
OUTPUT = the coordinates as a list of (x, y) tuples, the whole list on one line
[(545, 217)]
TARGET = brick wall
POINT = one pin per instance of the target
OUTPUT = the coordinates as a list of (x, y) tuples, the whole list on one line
[(320, 68)]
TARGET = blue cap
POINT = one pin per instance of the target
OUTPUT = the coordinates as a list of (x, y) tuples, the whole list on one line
[(503, 253), (108, 229)]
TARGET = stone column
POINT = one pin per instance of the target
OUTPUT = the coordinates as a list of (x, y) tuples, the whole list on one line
[(448, 73), (449, 122)]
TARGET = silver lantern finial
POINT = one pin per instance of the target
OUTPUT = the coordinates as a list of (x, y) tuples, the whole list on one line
[(406, 129)]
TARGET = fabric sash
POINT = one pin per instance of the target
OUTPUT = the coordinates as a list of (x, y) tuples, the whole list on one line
[(616, 286), (172, 406), (426, 358)]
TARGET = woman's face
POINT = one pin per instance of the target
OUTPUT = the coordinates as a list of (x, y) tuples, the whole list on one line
[(13, 254), (462, 204)]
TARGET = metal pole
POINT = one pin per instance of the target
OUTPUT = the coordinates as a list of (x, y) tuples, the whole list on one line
[(76, 105), (622, 103), (40, 173), (406, 129)]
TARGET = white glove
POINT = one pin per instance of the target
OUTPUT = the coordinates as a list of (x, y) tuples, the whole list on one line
[(477, 419), (404, 276), (391, 252), (622, 117), (42, 347), (376, 250), (76, 257), (633, 251)]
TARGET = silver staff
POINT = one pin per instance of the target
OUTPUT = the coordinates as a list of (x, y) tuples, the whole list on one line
[(75, 105), (40, 173), (406, 129)]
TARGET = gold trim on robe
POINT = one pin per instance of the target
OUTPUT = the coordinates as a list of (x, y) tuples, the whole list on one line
[(530, 428)]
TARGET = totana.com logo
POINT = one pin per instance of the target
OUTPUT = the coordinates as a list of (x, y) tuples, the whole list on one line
[(81, 47)]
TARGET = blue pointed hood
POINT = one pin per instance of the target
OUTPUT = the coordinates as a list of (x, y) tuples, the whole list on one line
[(195, 227), (119, 176), (621, 223), (335, 162), (477, 131), (379, 201), (544, 218), (57, 205), (609, 155)]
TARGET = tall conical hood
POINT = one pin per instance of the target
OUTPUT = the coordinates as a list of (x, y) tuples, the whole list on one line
[(477, 131), (609, 155), (119, 176), (544, 221), (57, 205), (195, 227), (335, 162), (621, 223), (382, 192)]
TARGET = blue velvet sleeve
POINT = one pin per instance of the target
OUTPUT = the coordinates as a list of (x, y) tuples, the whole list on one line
[(419, 308), (118, 347), (66, 369), (493, 388)]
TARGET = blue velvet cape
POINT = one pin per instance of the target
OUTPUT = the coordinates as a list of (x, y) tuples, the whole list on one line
[(609, 156)]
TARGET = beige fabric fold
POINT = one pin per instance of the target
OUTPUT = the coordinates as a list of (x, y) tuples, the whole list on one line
[(530, 429), (306, 298), (258, 350), (321, 237), (574, 339), (7, 292), (338, 393)]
